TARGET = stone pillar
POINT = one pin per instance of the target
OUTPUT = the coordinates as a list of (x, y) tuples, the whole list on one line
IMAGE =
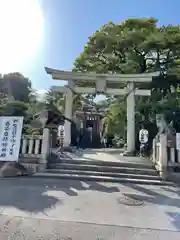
[(130, 120), (81, 124), (45, 150), (68, 114), (163, 160), (100, 127)]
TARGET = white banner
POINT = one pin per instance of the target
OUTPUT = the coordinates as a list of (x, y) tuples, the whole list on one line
[(178, 141), (10, 138)]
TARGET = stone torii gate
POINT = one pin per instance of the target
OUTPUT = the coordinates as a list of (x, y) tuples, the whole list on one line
[(101, 81)]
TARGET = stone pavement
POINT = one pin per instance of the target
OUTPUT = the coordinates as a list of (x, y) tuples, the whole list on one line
[(76, 209), (105, 154)]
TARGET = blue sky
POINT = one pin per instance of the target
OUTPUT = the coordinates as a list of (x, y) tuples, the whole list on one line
[(69, 23)]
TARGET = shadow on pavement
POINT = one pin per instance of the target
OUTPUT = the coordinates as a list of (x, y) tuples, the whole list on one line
[(31, 195), (157, 198), (30, 200)]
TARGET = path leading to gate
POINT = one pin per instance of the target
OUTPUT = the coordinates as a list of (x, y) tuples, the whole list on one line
[(108, 154)]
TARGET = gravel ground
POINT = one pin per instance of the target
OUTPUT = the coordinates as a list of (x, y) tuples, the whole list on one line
[(16, 228)]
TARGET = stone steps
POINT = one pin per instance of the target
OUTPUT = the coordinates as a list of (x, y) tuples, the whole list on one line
[(103, 168), (128, 171), (100, 178), (145, 165), (105, 174)]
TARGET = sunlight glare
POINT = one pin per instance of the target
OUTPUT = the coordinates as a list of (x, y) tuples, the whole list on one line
[(22, 28)]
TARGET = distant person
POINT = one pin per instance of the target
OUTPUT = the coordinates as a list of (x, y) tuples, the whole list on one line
[(105, 142), (82, 139), (109, 138), (79, 139), (143, 138)]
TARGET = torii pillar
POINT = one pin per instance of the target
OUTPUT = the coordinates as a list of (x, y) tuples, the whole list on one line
[(130, 119), (68, 113)]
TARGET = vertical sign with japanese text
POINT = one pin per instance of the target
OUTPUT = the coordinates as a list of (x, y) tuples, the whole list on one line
[(10, 138), (178, 141)]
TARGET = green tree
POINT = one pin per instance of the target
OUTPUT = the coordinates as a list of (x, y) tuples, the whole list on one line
[(55, 99), (115, 119), (15, 85), (3, 101), (15, 92), (136, 46), (133, 46), (35, 104), (58, 100), (15, 108)]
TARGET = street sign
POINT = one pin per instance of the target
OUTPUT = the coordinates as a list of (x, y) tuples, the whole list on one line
[(10, 137)]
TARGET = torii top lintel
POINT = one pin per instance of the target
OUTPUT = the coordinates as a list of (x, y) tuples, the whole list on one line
[(93, 77)]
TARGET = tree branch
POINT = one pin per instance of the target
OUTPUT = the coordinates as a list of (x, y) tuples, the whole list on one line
[(138, 52)]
